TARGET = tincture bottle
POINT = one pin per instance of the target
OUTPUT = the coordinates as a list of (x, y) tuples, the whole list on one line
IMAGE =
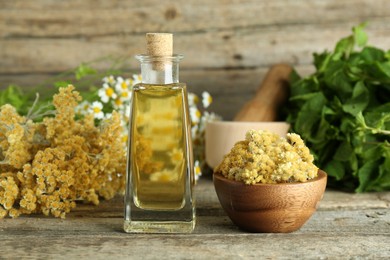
[(160, 172)]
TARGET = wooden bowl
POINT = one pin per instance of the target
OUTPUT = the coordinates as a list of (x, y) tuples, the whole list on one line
[(221, 136), (270, 208)]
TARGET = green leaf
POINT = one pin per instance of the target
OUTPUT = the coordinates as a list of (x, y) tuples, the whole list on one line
[(303, 97), (359, 100), (325, 130), (387, 55), (305, 119), (383, 180), (354, 73), (354, 164), (344, 152), (371, 54), (384, 108), (13, 95), (294, 77), (321, 61), (360, 36), (84, 70), (378, 119), (365, 175), (360, 119), (335, 169), (337, 80), (373, 153), (307, 85), (384, 68), (343, 48), (62, 84)]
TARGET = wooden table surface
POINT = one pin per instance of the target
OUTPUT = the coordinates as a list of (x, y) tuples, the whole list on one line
[(345, 226)]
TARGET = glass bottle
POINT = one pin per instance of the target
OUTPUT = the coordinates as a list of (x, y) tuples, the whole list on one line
[(160, 172)]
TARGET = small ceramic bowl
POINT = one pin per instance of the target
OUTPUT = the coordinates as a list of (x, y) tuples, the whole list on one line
[(270, 208), (222, 135)]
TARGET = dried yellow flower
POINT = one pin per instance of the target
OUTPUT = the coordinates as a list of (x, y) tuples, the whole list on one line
[(265, 157), (46, 167)]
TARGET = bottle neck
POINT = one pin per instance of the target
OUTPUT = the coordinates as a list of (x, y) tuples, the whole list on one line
[(159, 69)]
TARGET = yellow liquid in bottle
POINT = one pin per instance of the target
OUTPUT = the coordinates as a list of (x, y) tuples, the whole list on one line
[(158, 146)]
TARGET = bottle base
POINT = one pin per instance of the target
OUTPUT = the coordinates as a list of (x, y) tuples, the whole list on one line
[(158, 226)]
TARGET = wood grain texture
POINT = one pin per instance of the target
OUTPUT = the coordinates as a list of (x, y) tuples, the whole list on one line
[(51, 18), (345, 226), (247, 47)]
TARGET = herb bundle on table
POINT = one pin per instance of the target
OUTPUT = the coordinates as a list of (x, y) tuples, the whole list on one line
[(342, 111)]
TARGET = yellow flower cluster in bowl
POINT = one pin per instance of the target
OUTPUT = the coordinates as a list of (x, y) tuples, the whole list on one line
[(265, 157)]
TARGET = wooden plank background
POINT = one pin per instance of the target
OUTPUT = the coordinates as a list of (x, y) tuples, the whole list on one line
[(228, 44)]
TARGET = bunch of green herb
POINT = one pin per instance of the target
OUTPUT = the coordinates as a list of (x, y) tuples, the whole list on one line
[(342, 111)]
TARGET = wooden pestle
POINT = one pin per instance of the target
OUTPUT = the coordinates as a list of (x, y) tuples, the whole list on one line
[(271, 94)]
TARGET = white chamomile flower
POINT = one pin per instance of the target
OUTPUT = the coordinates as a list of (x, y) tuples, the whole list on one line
[(208, 117), (126, 110), (109, 80), (124, 123), (192, 99), (123, 88), (195, 115), (197, 170), (194, 131), (118, 103), (108, 116), (82, 108), (122, 84), (137, 78), (106, 93), (206, 99), (96, 110), (213, 117), (125, 95)]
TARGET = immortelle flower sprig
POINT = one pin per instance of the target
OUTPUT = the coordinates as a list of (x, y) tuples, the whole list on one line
[(45, 167)]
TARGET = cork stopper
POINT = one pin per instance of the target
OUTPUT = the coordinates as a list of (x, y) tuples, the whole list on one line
[(159, 44)]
